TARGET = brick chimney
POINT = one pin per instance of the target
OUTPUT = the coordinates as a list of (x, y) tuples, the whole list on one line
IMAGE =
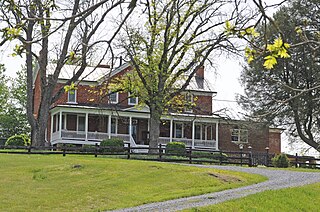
[(200, 72)]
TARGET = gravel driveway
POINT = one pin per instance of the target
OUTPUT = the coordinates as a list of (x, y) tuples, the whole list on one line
[(277, 179)]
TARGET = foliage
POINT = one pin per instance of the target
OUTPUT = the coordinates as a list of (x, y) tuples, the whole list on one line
[(178, 148), (63, 32), (18, 140), (287, 96), (215, 155), (75, 189), (166, 48), (112, 144), (13, 105), (281, 161)]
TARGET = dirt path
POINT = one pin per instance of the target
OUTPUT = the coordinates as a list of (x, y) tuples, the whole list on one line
[(278, 179)]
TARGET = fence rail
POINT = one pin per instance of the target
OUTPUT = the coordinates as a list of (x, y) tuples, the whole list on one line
[(161, 154)]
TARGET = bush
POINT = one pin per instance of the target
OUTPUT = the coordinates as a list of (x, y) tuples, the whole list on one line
[(112, 144), (18, 140), (177, 148), (211, 155), (281, 161)]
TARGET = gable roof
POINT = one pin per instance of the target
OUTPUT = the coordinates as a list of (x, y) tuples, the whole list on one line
[(89, 74)]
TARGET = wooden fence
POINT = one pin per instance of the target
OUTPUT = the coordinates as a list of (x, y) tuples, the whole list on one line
[(189, 155), (143, 153)]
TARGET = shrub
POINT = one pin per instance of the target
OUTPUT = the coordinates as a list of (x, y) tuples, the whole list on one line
[(112, 144), (281, 161), (177, 148), (18, 140), (211, 155)]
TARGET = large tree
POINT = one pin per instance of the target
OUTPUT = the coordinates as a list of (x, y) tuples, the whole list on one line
[(288, 94), (60, 31), (169, 43)]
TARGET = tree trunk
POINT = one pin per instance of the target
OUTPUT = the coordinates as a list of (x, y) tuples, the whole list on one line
[(155, 115)]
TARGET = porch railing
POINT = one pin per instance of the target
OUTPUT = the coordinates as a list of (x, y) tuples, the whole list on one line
[(99, 136)]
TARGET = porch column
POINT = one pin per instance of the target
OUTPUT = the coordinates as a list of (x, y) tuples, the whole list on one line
[(60, 124), (205, 132), (130, 128), (217, 135), (171, 129), (51, 128), (193, 132), (86, 126), (109, 126)]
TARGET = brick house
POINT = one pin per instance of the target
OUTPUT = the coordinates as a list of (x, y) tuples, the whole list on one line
[(83, 117)]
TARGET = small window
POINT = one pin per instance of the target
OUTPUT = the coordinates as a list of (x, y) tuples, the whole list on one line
[(239, 135), (81, 123), (178, 130), (72, 96), (113, 97), (113, 125), (132, 100), (188, 103), (197, 134)]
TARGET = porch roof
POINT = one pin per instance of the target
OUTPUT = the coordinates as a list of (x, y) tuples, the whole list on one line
[(133, 110)]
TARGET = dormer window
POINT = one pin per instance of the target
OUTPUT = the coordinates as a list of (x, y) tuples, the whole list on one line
[(72, 96), (113, 98), (132, 100)]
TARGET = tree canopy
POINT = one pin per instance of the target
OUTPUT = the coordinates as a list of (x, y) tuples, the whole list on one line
[(288, 94)]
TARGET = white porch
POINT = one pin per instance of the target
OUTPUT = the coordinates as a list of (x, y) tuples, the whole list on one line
[(86, 125)]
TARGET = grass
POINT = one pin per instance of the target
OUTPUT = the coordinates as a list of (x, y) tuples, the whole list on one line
[(85, 183), (304, 198)]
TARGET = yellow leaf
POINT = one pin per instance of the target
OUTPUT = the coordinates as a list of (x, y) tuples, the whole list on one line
[(283, 53), (270, 62), (277, 43)]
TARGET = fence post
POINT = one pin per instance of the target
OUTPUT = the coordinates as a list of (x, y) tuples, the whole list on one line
[(96, 150), (160, 152), (64, 150), (240, 157), (128, 154), (29, 149), (296, 159), (190, 155), (250, 159)]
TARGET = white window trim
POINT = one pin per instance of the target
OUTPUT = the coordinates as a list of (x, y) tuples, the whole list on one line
[(129, 98), (78, 122), (239, 136), (188, 110), (75, 97), (117, 98)]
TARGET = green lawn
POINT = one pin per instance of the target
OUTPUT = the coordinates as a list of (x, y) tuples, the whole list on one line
[(85, 183), (306, 198)]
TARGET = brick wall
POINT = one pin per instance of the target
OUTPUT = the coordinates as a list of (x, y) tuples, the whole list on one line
[(258, 137), (275, 141), (203, 105)]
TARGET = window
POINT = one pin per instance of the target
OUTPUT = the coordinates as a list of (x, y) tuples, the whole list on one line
[(81, 123), (72, 96), (178, 133), (239, 135), (113, 97), (188, 103), (113, 125), (197, 134), (132, 100)]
